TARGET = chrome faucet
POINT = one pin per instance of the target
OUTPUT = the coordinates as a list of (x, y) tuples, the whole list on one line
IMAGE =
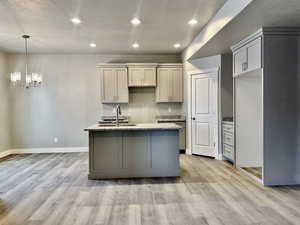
[(118, 112)]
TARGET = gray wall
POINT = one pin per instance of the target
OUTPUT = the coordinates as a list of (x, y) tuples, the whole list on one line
[(69, 99), (226, 85), (4, 106), (224, 62)]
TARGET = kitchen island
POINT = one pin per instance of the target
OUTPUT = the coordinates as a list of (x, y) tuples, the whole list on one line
[(134, 150)]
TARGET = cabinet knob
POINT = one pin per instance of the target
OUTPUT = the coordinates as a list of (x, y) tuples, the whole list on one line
[(245, 66), (193, 118)]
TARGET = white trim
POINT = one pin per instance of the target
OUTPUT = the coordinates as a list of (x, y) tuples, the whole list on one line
[(42, 150), (5, 153), (200, 71), (224, 16), (188, 151), (260, 181)]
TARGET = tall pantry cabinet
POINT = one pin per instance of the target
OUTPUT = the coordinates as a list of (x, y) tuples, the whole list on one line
[(267, 113)]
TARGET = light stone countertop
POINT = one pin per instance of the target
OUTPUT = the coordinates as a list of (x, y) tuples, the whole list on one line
[(170, 118), (138, 126)]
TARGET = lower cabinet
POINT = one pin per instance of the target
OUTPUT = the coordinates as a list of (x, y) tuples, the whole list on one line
[(182, 132), (228, 140), (136, 150), (127, 154)]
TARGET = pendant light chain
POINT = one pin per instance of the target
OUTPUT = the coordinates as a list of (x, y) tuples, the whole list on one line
[(26, 56)]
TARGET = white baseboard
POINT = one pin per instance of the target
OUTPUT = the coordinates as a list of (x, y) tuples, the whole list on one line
[(42, 150), (5, 153), (188, 151)]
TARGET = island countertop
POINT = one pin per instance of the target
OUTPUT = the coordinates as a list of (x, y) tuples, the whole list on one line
[(138, 126)]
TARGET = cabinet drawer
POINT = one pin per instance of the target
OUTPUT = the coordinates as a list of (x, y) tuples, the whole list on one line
[(228, 128), (228, 138), (228, 152)]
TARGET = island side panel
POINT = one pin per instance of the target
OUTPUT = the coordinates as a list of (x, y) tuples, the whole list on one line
[(105, 152), (165, 153)]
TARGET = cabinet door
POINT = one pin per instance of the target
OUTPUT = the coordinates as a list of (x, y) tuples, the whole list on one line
[(164, 85), (149, 78), (139, 77), (176, 74), (106, 151), (136, 76), (136, 150), (239, 60), (121, 85), (254, 55), (108, 81)]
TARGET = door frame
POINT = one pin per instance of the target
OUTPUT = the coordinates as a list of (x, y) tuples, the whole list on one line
[(216, 72)]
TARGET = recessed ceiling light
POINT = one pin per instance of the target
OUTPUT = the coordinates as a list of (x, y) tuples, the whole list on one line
[(76, 20), (193, 22), (135, 21), (93, 45), (135, 45), (177, 45)]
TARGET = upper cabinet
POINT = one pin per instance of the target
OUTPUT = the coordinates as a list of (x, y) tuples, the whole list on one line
[(113, 79), (169, 83), (117, 78), (247, 55), (141, 74)]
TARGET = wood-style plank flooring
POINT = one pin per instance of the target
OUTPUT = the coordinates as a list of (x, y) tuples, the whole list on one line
[(54, 189), (255, 171)]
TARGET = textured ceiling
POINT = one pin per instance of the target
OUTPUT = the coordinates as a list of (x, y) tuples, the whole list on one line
[(260, 13), (105, 22)]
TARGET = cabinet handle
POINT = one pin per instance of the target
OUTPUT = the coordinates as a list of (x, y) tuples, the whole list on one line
[(245, 66)]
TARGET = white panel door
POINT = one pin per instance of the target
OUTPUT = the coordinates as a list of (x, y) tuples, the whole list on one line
[(204, 114)]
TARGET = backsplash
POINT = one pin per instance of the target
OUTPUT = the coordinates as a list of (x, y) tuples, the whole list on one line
[(142, 107)]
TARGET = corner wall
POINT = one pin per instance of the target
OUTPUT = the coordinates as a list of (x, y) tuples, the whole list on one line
[(69, 99), (5, 140), (224, 63)]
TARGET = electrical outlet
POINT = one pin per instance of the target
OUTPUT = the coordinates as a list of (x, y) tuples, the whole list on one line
[(114, 110), (55, 140), (170, 109)]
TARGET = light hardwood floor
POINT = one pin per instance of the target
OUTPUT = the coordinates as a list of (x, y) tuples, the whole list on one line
[(53, 189), (255, 171)]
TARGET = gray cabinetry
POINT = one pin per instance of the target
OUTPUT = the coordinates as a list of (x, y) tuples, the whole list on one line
[(133, 153), (228, 140), (266, 105), (113, 78), (248, 57), (169, 83), (182, 131), (141, 74)]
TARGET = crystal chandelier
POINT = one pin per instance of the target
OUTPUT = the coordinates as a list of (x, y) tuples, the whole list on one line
[(31, 79)]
